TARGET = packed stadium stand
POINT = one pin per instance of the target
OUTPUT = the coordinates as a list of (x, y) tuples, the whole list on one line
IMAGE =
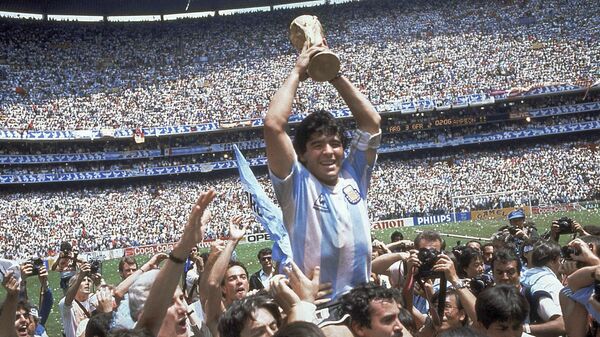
[(109, 130)]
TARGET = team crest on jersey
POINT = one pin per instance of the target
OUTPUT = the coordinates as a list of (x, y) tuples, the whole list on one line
[(321, 204), (351, 194)]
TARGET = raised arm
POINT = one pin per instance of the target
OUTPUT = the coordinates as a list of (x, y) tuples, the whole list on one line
[(367, 118), (165, 285), (9, 308), (280, 150), (72, 291), (153, 263), (214, 299)]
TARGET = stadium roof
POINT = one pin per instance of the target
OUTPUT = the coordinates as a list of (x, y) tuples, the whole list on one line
[(130, 7)]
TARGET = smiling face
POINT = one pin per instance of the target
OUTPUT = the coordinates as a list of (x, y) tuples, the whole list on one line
[(236, 284), (323, 157)]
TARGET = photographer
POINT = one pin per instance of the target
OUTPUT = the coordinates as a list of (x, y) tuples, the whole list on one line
[(519, 230), (78, 303), (577, 299), (459, 302), (66, 264), (427, 242), (541, 286), (32, 268), (565, 225)]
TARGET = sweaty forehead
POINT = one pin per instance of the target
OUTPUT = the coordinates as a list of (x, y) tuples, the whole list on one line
[(235, 271), (323, 136), (424, 243)]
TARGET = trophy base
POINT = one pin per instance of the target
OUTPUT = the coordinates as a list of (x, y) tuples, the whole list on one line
[(323, 66)]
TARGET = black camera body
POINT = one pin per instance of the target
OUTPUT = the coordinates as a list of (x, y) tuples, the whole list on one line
[(565, 225), (428, 258), (95, 266), (567, 252), (480, 283), (36, 264)]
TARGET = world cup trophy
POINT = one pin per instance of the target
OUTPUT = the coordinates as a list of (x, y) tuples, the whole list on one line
[(323, 66)]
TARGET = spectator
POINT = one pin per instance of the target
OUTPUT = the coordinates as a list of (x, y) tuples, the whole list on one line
[(262, 276), (501, 312), (542, 288), (373, 312)]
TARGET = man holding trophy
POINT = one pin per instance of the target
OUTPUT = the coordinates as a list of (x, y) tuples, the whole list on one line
[(321, 192)]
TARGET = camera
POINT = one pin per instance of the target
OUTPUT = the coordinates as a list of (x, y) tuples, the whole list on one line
[(36, 264), (513, 230), (480, 283), (567, 252), (95, 266), (565, 225), (65, 247), (428, 258)]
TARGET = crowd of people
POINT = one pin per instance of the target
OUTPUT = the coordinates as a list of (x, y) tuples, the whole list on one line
[(521, 284), (75, 76), (325, 275), (102, 218)]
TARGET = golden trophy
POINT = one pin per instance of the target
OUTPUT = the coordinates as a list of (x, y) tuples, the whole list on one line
[(323, 66)]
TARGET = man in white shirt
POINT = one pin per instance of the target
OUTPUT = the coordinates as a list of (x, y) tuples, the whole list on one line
[(78, 304)]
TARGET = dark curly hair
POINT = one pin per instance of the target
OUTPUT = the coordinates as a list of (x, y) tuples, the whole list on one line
[(502, 303), (321, 122), (233, 320), (233, 264), (356, 302), (506, 255)]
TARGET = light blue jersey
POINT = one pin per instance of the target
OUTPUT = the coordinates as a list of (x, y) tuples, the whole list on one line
[(329, 226)]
